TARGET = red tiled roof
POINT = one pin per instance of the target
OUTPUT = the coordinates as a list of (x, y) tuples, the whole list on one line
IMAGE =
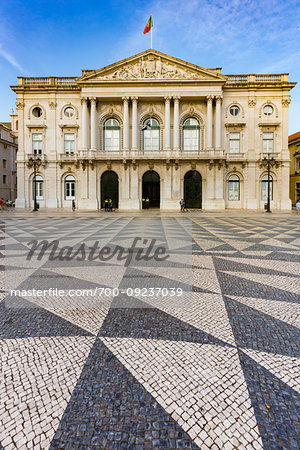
[(294, 136)]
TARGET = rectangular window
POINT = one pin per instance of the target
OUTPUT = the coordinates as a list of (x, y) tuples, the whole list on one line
[(297, 190), (264, 190), (69, 143), (233, 190), (151, 140), (4, 163), (234, 142), (112, 140), (37, 143), (268, 142), (4, 179), (297, 163)]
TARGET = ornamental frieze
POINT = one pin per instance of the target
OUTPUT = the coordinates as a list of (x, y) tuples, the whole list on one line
[(152, 67)]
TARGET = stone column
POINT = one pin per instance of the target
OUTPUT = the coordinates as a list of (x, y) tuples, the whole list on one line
[(209, 99), (93, 124), (84, 123), (125, 123), (134, 123), (167, 124), (176, 123), (218, 122)]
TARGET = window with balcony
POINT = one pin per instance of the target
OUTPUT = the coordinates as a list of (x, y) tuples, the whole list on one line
[(264, 187), (37, 143), (70, 187), (111, 135), (234, 142), (234, 188), (191, 135), (69, 143), (151, 135), (268, 142)]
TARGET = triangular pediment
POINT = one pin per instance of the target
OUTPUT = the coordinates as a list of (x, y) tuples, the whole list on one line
[(151, 65)]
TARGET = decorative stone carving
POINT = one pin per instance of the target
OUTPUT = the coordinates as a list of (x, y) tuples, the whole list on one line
[(52, 105), (285, 102), (152, 67), (251, 103), (20, 105)]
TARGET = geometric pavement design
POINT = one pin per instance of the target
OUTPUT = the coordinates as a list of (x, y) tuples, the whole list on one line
[(219, 371)]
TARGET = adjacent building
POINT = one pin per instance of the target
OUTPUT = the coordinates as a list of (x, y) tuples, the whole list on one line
[(294, 147), (153, 126), (8, 156)]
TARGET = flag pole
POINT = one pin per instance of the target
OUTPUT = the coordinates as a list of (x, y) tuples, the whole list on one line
[(151, 31)]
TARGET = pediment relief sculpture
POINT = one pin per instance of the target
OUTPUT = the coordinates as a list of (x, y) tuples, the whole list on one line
[(152, 67)]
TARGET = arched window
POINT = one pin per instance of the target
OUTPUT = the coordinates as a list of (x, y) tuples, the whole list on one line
[(151, 130), (264, 187), (39, 185), (111, 135), (191, 135), (233, 188), (70, 185)]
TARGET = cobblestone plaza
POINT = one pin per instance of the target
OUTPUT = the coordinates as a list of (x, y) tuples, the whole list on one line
[(214, 368)]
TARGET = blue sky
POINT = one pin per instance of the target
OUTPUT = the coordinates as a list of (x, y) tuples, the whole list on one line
[(42, 38)]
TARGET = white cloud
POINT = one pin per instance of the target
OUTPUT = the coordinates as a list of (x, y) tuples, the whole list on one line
[(10, 59)]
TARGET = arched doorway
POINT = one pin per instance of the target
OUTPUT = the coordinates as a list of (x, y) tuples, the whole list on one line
[(193, 189), (151, 188), (110, 188)]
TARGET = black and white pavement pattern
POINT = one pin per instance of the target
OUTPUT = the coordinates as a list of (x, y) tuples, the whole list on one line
[(215, 368)]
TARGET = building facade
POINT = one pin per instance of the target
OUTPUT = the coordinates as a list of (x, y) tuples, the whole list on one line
[(8, 156), (294, 147), (153, 126)]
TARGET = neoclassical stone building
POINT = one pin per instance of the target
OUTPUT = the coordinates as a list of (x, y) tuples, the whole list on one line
[(153, 126)]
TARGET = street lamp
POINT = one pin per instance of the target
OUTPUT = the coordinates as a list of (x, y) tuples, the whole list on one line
[(34, 161), (268, 162)]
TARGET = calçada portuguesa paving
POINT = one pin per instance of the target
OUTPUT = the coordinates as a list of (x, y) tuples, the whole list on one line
[(214, 368)]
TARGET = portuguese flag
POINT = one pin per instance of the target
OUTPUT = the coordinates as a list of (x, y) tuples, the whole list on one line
[(149, 25)]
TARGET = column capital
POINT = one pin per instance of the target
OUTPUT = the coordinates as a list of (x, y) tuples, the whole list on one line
[(125, 99), (167, 98), (210, 98), (134, 98), (92, 99), (83, 99), (176, 98), (219, 98)]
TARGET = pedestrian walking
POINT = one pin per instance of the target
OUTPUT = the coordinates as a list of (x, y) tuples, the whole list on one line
[(73, 205), (147, 203), (182, 205), (106, 204), (298, 206), (143, 203), (110, 205), (2, 203)]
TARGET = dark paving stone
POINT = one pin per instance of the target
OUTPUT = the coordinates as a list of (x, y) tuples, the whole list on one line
[(22, 319), (233, 285), (258, 331), (106, 390), (276, 406), (151, 323)]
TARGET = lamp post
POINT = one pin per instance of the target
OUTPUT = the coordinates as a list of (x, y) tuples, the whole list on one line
[(268, 162), (34, 161)]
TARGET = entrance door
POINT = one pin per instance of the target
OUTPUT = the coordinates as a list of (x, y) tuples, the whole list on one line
[(110, 188), (193, 189), (151, 188)]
